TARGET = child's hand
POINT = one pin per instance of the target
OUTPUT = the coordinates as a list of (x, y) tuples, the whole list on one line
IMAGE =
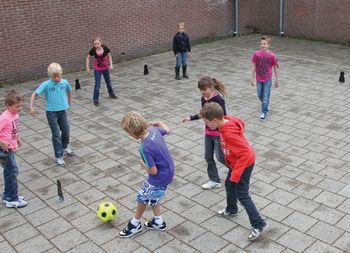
[(33, 112), (88, 71), (155, 124), (252, 83), (176, 55), (189, 54), (19, 142), (185, 120), (110, 67), (277, 83), (6, 147)]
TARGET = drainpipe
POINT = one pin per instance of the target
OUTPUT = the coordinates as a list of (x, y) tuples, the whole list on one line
[(236, 20), (281, 26)]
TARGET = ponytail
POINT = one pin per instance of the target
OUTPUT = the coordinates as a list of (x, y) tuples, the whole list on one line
[(219, 86)]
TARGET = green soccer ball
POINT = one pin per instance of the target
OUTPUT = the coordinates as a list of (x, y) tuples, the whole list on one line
[(106, 212)]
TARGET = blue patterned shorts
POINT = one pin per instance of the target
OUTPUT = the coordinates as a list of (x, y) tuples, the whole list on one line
[(150, 195)]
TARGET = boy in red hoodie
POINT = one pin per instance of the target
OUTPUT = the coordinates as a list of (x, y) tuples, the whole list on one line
[(240, 158)]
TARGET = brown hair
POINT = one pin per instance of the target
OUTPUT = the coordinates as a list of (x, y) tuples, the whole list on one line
[(12, 98), (212, 111), (265, 38), (208, 82), (133, 122)]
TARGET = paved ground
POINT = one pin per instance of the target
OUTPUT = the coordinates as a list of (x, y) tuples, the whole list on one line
[(300, 183)]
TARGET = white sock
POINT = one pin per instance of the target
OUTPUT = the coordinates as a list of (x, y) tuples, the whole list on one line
[(135, 221), (158, 220)]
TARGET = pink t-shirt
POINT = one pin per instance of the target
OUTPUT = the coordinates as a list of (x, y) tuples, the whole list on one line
[(9, 128), (264, 61), (101, 61)]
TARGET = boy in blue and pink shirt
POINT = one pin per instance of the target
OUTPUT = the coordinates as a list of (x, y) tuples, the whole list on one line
[(9, 142), (157, 161), (263, 61)]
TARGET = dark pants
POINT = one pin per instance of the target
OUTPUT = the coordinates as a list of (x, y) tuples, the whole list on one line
[(58, 123), (107, 78), (10, 178), (212, 145), (240, 191)]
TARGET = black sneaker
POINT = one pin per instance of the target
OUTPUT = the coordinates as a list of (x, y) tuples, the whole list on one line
[(96, 103), (113, 96), (153, 225), (256, 232), (130, 230)]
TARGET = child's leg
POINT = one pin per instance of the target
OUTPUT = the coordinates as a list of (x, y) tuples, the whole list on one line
[(231, 197), (184, 65), (156, 210), (64, 127), (266, 96), (212, 170), (107, 78), (242, 190), (178, 60), (52, 118), (218, 151), (259, 90), (10, 178), (139, 210), (97, 75)]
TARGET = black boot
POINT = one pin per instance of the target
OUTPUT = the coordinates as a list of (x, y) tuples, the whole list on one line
[(184, 68), (177, 72)]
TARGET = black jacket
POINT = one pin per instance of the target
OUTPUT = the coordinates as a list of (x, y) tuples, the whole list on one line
[(181, 43)]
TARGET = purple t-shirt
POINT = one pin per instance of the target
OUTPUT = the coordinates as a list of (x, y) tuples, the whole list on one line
[(264, 61), (154, 152)]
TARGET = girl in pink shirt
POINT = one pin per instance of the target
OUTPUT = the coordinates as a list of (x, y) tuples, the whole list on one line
[(102, 64), (9, 141)]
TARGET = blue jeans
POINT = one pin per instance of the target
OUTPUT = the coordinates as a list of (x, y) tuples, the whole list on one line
[(212, 145), (10, 177), (181, 59), (107, 78), (60, 131), (263, 89), (240, 191)]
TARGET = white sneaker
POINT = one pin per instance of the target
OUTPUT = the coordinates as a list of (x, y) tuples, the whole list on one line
[(68, 151), (19, 198), (211, 185), (15, 204), (60, 161), (262, 117)]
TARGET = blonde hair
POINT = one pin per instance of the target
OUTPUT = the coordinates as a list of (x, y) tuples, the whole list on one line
[(209, 82), (212, 111), (13, 97), (133, 122), (54, 68)]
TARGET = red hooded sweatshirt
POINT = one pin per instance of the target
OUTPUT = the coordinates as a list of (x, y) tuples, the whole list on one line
[(238, 153)]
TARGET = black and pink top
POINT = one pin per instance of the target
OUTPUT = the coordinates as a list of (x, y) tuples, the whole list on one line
[(101, 60)]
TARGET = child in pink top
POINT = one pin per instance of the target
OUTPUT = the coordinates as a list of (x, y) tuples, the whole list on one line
[(102, 64), (212, 90), (263, 61), (9, 141)]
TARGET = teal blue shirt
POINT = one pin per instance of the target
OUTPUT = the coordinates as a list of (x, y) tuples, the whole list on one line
[(55, 94)]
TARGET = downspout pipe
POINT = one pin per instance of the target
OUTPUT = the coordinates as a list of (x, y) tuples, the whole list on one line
[(281, 25), (236, 19)]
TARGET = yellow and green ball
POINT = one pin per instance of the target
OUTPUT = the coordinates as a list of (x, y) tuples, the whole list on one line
[(106, 212)]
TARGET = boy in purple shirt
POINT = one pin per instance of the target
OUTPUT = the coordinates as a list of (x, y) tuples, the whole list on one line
[(263, 61), (157, 161)]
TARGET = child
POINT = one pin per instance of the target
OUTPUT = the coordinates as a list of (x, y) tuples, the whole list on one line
[(9, 141), (56, 92), (240, 157), (212, 90), (158, 163), (263, 61), (181, 48), (102, 64)]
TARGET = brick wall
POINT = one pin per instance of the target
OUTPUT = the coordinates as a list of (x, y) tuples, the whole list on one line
[(37, 32)]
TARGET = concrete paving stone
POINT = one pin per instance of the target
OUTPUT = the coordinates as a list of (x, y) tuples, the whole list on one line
[(11, 220), (345, 191), (175, 246), (329, 199), (105, 183), (218, 225), (209, 242), (314, 156), (90, 196), (197, 214), (67, 179), (207, 198), (38, 183), (28, 175), (333, 162), (127, 245), (69, 240), (188, 190), (280, 145), (345, 179), (276, 211), (334, 173), (92, 175), (134, 177), (147, 239), (265, 245), (286, 183), (172, 219), (304, 205), (54, 227), (186, 231), (6, 247), (322, 247), (87, 247), (77, 187), (266, 176), (325, 232), (290, 171), (296, 240), (299, 221), (20, 234), (36, 244), (238, 236), (343, 242), (343, 207), (73, 211), (105, 164), (47, 192), (344, 223), (331, 185), (281, 196), (309, 178), (262, 189), (102, 234), (312, 166), (327, 214), (86, 222), (307, 191), (183, 170)]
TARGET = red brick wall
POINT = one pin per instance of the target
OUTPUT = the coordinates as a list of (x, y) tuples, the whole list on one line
[(35, 33)]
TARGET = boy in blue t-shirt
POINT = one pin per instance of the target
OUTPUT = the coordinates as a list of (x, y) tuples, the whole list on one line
[(157, 161), (58, 95)]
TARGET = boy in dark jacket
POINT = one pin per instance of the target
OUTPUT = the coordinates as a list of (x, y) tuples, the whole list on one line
[(181, 48), (240, 157)]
